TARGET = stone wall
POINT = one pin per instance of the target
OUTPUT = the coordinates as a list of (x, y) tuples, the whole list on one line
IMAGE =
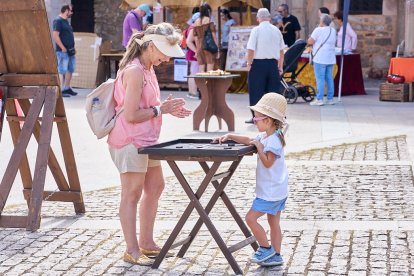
[(108, 21), (378, 35)]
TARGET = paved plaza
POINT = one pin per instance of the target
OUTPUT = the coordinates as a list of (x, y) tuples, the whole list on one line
[(350, 210)]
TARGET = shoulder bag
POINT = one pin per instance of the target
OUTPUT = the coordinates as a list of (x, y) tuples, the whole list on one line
[(312, 55), (209, 43)]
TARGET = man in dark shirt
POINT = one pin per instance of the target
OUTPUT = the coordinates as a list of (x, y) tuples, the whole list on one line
[(65, 49), (291, 27)]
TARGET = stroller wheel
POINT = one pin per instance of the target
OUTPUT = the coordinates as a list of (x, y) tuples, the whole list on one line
[(308, 93), (291, 94)]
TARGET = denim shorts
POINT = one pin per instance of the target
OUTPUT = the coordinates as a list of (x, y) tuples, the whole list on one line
[(66, 63), (268, 207)]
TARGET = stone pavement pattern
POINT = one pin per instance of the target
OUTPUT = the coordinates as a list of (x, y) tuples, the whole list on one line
[(350, 212)]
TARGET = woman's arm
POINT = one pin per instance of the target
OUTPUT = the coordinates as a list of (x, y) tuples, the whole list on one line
[(352, 34), (133, 80), (191, 41)]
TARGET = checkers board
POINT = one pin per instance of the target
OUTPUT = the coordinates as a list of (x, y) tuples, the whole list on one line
[(198, 148)]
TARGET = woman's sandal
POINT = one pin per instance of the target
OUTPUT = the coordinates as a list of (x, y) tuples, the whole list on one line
[(141, 260), (154, 253)]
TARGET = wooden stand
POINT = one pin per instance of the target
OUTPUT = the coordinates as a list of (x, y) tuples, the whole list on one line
[(28, 65)]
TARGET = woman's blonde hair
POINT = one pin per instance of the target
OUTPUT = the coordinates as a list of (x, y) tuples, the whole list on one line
[(134, 50)]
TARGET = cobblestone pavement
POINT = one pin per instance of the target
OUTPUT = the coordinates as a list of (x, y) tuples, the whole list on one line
[(350, 212)]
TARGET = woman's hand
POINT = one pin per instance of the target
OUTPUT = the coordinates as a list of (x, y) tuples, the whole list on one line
[(171, 105), (181, 113)]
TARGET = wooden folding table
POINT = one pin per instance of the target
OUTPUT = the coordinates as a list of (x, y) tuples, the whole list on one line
[(202, 151)]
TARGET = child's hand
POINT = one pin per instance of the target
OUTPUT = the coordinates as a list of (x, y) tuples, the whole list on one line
[(259, 146), (221, 139)]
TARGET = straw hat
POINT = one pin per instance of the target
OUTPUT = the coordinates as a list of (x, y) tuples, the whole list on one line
[(273, 105)]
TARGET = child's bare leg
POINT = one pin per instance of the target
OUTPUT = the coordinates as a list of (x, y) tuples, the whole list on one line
[(275, 231), (257, 229)]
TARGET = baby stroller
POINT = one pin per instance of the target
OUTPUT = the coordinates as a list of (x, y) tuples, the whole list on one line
[(292, 87)]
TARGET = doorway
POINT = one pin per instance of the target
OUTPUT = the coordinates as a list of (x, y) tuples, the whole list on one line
[(83, 18)]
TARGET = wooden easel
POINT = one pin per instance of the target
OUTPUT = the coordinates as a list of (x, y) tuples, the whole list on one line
[(28, 64)]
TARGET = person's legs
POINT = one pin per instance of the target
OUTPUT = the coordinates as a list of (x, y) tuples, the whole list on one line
[(320, 70), (63, 62), (192, 87), (132, 184), (275, 231), (273, 77), (257, 230), (256, 82), (329, 81), (153, 187)]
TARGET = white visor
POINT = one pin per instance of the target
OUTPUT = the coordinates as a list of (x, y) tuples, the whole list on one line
[(162, 44)]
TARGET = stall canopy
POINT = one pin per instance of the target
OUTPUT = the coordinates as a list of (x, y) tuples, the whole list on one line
[(214, 4)]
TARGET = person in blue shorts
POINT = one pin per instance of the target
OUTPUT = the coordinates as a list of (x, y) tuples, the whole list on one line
[(271, 175), (65, 49)]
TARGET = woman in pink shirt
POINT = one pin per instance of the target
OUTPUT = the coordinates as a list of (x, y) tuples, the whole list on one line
[(350, 36), (138, 101)]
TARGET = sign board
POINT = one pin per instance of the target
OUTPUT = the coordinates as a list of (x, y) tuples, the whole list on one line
[(237, 51), (180, 70)]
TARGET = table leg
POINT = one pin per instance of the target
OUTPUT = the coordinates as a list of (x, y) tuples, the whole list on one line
[(210, 226), (219, 104), (219, 193), (188, 210), (200, 112)]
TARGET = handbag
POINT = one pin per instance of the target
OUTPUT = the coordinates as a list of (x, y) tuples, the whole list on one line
[(312, 55), (395, 79), (209, 43), (71, 51)]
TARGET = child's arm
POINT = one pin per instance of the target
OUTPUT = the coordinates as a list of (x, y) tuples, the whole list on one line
[(236, 138), (267, 158)]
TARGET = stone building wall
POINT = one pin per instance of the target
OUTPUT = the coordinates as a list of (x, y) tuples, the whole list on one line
[(378, 35), (108, 21)]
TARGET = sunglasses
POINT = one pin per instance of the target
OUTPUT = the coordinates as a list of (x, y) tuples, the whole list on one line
[(256, 119)]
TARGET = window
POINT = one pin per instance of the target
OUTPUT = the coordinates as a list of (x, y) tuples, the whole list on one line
[(364, 6)]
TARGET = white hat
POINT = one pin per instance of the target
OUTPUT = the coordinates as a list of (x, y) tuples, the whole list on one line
[(161, 42), (272, 105)]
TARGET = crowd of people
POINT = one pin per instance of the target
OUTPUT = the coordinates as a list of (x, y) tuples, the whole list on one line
[(140, 109)]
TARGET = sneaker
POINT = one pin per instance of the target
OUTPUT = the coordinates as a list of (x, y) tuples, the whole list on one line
[(65, 95), (273, 261), (262, 254), (249, 121), (191, 96), (69, 91), (316, 102), (330, 102)]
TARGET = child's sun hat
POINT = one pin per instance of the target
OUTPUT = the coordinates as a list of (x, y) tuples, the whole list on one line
[(272, 105)]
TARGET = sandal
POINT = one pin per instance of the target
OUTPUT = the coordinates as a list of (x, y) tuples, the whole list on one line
[(154, 253), (141, 260)]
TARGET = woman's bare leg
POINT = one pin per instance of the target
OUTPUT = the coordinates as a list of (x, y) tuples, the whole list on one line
[(153, 187), (132, 184)]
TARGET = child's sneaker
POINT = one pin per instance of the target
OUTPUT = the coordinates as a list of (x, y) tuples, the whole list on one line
[(262, 254), (273, 261)]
